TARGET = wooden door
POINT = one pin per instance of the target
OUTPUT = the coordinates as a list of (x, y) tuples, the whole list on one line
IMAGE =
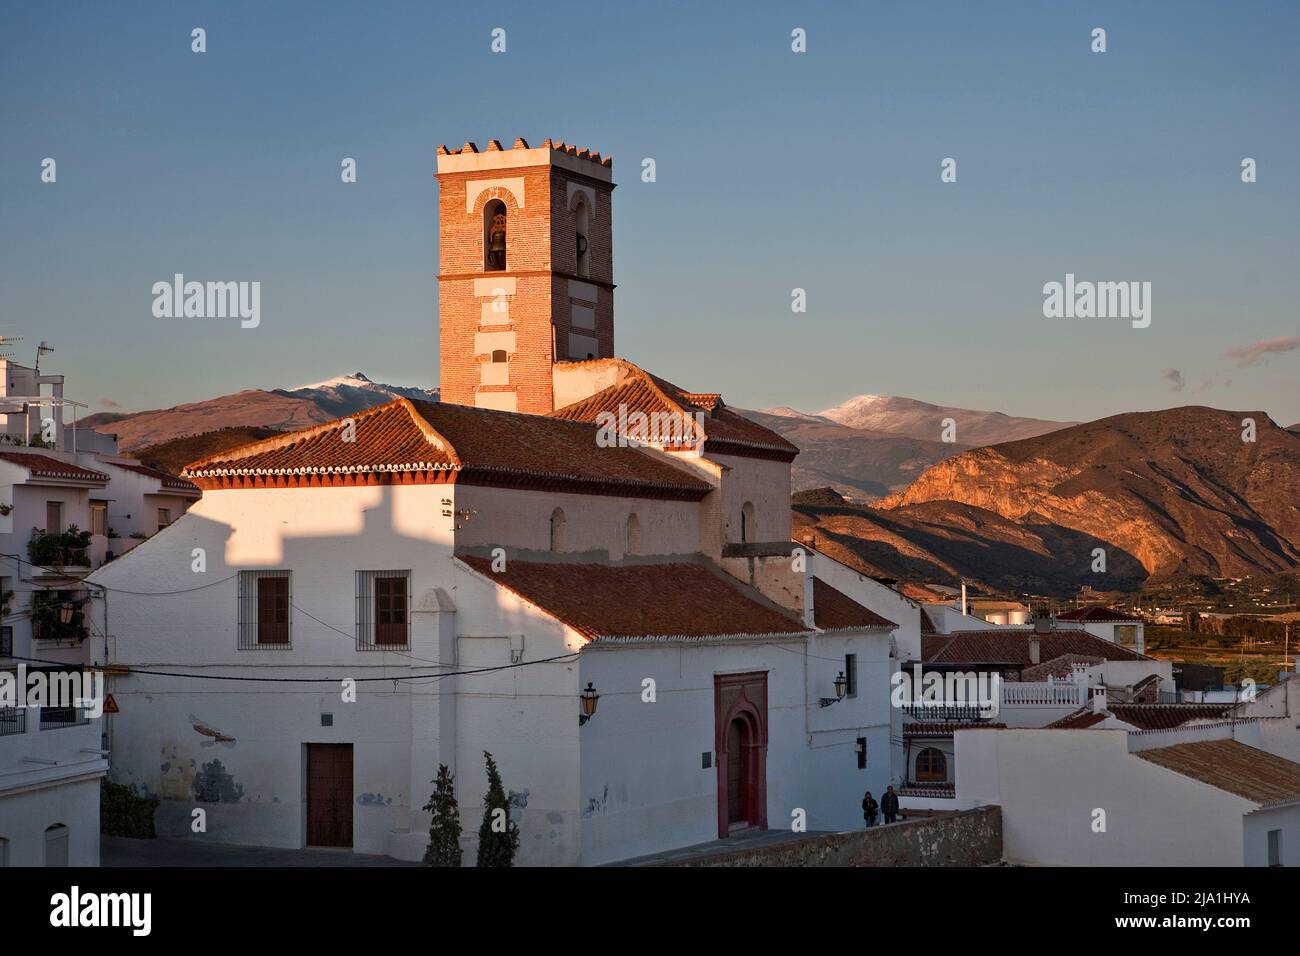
[(736, 758), (329, 795)]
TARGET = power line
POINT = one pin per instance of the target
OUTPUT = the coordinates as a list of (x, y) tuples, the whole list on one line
[(320, 680)]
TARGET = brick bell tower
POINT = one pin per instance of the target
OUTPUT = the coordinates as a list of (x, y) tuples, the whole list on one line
[(526, 270)]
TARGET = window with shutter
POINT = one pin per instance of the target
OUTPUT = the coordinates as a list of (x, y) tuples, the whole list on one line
[(273, 610), (390, 611)]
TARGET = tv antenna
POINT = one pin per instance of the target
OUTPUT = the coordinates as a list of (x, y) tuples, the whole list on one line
[(41, 350), (6, 343)]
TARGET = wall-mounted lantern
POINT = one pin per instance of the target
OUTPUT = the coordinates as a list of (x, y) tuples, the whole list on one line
[(841, 683), (588, 700), (66, 611)]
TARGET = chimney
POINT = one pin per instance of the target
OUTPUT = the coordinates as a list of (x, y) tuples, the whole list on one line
[(1035, 652), (808, 615), (1042, 623)]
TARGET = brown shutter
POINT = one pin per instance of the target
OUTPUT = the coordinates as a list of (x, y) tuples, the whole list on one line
[(273, 610), (390, 611)]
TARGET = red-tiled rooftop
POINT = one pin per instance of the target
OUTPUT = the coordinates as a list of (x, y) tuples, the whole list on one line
[(168, 481), (725, 431), (602, 601), (1232, 766), (1081, 719), (43, 466), (1012, 647), (1098, 614), (1167, 716), (437, 441), (834, 610)]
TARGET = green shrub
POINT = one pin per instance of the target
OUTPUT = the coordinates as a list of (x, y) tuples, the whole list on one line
[(123, 814)]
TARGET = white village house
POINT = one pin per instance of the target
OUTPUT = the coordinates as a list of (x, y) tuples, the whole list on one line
[(362, 601), (68, 503)]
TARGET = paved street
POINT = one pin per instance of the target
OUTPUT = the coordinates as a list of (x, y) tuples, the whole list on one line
[(119, 851)]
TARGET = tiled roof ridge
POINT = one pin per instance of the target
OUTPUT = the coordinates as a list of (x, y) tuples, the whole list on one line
[(1088, 611), (52, 467), (559, 146), (730, 431), (288, 439)]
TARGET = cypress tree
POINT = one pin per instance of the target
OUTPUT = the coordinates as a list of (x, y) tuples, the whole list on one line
[(444, 830), (498, 836)]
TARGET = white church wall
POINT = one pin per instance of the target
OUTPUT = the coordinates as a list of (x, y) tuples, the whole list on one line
[(522, 519)]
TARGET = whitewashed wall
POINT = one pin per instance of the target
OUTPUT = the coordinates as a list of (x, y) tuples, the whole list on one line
[(644, 787), (1049, 782)]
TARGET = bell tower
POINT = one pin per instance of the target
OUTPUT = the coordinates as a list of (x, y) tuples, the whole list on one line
[(526, 270)]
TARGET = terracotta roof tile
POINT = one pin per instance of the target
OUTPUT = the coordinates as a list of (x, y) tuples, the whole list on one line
[(604, 601), (1098, 614), (476, 445), (834, 610), (1080, 719), (1167, 716), (1233, 767), (1059, 667), (43, 466), (725, 431), (1012, 647)]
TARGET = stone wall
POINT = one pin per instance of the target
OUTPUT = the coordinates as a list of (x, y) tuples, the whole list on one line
[(969, 838)]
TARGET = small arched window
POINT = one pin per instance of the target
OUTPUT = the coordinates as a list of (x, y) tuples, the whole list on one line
[(56, 845), (558, 542), (931, 766), (498, 355), (494, 236), (633, 534), (747, 522), (581, 225)]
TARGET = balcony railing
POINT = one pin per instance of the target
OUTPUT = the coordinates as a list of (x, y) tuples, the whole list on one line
[(952, 712), (54, 718), (1055, 694), (13, 720)]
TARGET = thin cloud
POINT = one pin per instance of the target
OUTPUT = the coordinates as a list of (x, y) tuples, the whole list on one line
[(1248, 355), (1174, 379), (108, 403)]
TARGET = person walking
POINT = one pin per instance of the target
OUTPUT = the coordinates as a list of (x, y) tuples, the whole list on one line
[(889, 805), (869, 809)]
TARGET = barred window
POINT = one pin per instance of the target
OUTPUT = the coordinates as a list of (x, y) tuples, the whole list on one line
[(264, 609), (383, 610)]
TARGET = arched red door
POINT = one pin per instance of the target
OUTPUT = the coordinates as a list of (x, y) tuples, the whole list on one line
[(738, 797), (741, 746)]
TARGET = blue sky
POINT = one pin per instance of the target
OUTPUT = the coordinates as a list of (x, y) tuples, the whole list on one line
[(776, 170)]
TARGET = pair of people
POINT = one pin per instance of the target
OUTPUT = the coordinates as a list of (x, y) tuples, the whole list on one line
[(888, 805)]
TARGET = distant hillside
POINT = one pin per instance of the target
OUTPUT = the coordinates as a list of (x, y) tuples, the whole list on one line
[(1176, 490), (172, 456), (279, 409), (864, 465), (947, 542), (921, 420)]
